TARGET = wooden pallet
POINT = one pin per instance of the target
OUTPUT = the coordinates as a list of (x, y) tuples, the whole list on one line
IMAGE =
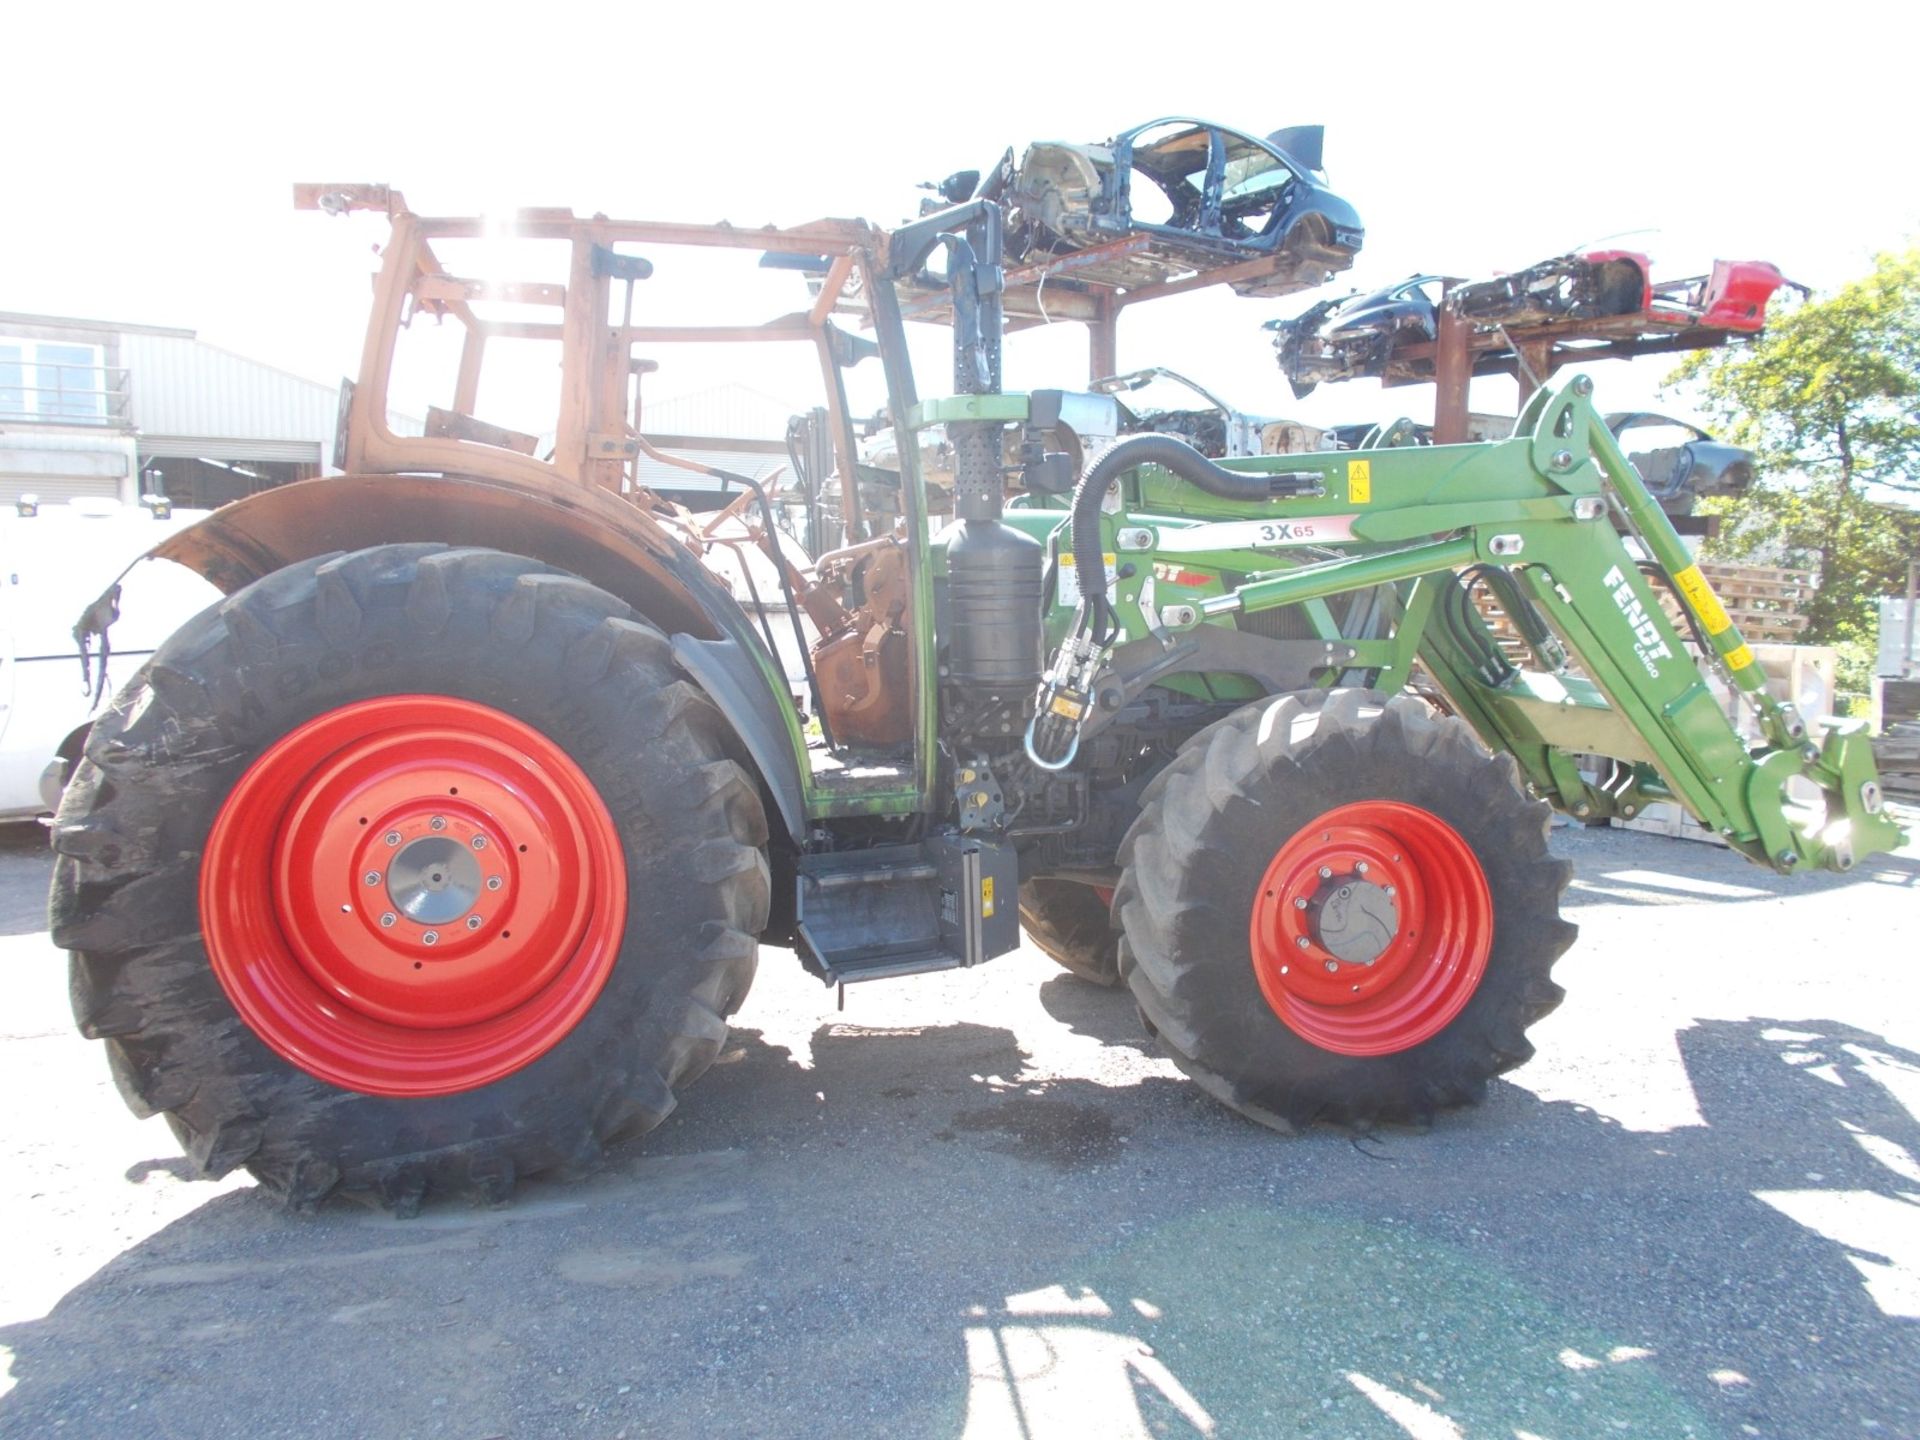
[(1763, 601)]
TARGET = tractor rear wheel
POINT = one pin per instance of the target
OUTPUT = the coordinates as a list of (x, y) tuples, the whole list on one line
[(409, 871), (1340, 906), (1071, 923)]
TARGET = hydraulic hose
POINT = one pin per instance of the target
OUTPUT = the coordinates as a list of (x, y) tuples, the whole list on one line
[(1182, 460)]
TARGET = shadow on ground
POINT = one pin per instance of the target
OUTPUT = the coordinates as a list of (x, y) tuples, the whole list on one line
[(910, 1234)]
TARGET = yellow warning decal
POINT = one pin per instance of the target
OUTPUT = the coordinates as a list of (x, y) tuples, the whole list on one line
[(1700, 596), (986, 897), (1360, 482), (1067, 708), (1738, 658)]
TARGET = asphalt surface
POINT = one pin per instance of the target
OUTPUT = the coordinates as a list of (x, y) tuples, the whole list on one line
[(980, 1205)]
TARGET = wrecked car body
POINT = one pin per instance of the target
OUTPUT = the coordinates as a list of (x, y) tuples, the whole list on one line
[(1680, 463), (1183, 196), (1587, 286), (1604, 295), (1355, 335)]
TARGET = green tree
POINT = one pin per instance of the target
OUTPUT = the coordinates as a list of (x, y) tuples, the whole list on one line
[(1829, 400)]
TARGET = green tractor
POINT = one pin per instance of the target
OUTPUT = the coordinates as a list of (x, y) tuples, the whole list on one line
[(439, 852)]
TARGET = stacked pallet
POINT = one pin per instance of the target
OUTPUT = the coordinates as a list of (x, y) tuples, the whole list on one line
[(1896, 750), (1764, 601)]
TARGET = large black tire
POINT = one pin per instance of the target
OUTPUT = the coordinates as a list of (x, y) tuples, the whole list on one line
[(1197, 857), (542, 647), (1073, 926)]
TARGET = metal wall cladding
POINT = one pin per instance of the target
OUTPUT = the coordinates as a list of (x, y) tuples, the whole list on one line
[(184, 387)]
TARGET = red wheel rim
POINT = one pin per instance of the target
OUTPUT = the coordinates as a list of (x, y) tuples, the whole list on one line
[(1415, 868), (413, 895)]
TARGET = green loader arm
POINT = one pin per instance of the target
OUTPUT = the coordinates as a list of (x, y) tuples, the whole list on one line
[(1559, 521)]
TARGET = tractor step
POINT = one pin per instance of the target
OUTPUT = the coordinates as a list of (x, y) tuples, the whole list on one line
[(872, 914)]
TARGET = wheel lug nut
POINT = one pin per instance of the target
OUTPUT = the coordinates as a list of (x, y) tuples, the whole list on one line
[(439, 822), (373, 877), (1392, 891), (432, 937), (474, 922), (1361, 868), (493, 882), (1301, 941), (479, 842), (386, 920), (1333, 965), (1325, 873), (393, 837), (1300, 902)]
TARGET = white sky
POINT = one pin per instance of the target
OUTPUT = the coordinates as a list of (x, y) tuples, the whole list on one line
[(154, 147)]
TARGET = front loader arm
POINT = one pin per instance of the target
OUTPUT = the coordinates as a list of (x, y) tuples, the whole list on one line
[(1559, 511)]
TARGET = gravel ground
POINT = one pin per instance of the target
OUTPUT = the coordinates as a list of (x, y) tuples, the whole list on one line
[(979, 1205)]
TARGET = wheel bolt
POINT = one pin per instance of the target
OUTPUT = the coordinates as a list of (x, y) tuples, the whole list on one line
[(393, 837), (439, 822), (432, 937), (1361, 868), (493, 882), (373, 877), (479, 842), (1300, 903), (1325, 873), (1332, 965), (386, 920), (1392, 891), (1301, 941), (474, 922)]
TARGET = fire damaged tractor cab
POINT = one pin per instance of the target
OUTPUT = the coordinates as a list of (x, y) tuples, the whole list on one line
[(439, 851)]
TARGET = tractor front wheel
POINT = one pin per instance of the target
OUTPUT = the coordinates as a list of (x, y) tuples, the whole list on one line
[(406, 871), (1340, 906)]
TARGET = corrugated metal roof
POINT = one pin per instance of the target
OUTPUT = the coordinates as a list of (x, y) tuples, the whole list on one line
[(656, 476), (183, 386), (736, 411)]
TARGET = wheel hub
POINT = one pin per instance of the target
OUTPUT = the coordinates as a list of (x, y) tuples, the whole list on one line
[(1353, 919), (435, 880)]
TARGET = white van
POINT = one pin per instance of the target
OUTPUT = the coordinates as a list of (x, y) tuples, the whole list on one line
[(55, 559)]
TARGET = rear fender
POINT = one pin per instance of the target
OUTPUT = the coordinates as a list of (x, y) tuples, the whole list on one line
[(584, 531)]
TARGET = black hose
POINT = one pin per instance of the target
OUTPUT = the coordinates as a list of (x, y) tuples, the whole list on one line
[(1182, 460)]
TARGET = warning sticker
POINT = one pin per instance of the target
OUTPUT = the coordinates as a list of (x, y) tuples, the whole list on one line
[(986, 897), (1069, 593), (1738, 658), (1700, 596), (1360, 482)]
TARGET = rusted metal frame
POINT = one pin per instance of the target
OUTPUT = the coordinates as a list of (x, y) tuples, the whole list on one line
[(1452, 374), (830, 290), (372, 447), (817, 237), (844, 451), (574, 421), (783, 329), (473, 356), (718, 442), (1076, 260), (1103, 340), (1200, 280), (438, 285), (610, 456)]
